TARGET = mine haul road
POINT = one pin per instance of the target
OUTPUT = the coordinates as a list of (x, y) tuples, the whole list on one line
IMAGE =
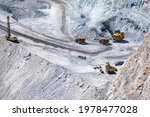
[(55, 43)]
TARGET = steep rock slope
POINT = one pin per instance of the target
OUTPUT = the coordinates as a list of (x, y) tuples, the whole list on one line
[(133, 81), (24, 75)]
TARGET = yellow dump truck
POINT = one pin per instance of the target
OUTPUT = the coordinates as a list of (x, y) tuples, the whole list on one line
[(80, 40), (104, 41)]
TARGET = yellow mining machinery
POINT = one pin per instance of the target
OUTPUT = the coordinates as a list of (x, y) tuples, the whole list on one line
[(110, 69), (104, 41), (118, 35), (10, 37), (80, 40)]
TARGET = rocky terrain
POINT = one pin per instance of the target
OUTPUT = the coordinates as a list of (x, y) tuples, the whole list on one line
[(46, 64), (133, 81), (27, 76)]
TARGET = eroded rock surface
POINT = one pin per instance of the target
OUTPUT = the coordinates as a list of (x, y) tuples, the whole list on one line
[(133, 81)]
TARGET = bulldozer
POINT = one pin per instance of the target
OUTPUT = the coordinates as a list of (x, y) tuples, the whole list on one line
[(110, 69), (80, 40), (104, 41), (118, 35), (9, 36)]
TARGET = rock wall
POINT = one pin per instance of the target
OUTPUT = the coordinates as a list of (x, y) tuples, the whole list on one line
[(133, 81)]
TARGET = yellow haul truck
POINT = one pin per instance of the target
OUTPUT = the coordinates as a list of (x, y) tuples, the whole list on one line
[(80, 40), (104, 41)]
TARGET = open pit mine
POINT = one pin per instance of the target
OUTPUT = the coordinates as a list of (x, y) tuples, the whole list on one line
[(74, 49)]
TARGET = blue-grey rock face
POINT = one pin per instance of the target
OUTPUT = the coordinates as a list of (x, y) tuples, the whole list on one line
[(126, 15)]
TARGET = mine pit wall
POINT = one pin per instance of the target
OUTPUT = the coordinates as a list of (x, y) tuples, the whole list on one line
[(24, 9), (24, 75), (133, 81), (126, 15)]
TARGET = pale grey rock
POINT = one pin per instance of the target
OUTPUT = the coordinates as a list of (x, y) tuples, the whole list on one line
[(133, 81)]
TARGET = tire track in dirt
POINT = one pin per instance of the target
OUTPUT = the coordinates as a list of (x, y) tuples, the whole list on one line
[(57, 44)]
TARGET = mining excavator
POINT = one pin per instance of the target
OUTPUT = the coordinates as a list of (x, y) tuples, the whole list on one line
[(9, 36), (118, 35), (110, 69), (80, 40)]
